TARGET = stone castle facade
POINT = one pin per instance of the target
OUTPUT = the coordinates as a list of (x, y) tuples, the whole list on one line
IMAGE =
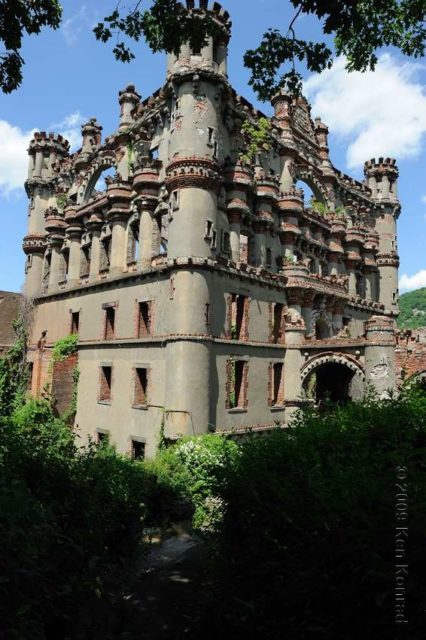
[(208, 294)]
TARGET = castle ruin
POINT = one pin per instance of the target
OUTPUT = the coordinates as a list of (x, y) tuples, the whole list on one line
[(207, 292)]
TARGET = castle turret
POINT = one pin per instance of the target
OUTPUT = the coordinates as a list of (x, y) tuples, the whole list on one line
[(44, 152), (197, 82), (382, 178)]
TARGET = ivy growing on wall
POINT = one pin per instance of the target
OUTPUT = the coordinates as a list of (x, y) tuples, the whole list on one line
[(258, 136), (64, 347)]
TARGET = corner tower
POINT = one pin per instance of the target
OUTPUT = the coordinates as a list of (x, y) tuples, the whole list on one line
[(44, 152), (381, 177), (198, 85)]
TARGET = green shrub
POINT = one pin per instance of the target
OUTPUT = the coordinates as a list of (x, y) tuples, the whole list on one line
[(308, 538), (64, 347), (193, 469)]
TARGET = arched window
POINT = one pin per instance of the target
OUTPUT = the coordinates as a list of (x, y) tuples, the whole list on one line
[(322, 330), (46, 268), (98, 182)]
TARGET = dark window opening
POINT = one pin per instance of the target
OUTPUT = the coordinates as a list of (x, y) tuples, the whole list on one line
[(277, 319), (268, 258), (154, 153), (321, 329), (144, 319), (196, 50), (138, 450), (75, 321), (141, 387), (226, 242), (239, 317), (102, 437), (105, 384), (330, 383), (238, 384), (85, 261), (133, 244), (105, 254), (109, 323), (277, 384)]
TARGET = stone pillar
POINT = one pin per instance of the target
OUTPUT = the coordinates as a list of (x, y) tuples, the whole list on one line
[(118, 245), (351, 273), (234, 235), (38, 163), (95, 251), (260, 243), (293, 362), (146, 230), (56, 264), (380, 355), (128, 100), (74, 234)]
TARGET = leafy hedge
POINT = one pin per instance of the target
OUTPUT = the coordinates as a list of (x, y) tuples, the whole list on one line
[(308, 538), (71, 520)]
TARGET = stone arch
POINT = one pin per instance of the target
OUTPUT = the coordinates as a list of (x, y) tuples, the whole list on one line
[(315, 185), (337, 376), (100, 164)]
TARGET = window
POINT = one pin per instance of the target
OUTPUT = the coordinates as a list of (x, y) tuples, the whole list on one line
[(239, 317), (277, 385), (140, 397), (144, 319), (196, 51), (105, 259), (46, 268), (65, 263), (138, 450), (102, 436), (237, 384), (109, 323), (85, 261), (75, 321), (105, 384), (154, 153), (277, 313), (226, 242), (268, 258), (133, 243)]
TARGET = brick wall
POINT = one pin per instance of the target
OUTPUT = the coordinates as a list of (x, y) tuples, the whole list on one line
[(410, 353), (62, 383)]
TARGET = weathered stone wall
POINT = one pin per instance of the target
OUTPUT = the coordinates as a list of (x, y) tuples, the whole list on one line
[(63, 383), (410, 354)]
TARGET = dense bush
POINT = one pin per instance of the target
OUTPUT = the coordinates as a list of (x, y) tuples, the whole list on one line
[(70, 521), (193, 469), (308, 539)]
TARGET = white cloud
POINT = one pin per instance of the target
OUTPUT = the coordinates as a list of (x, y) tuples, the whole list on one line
[(417, 281), (72, 28), (379, 113), (424, 199), (70, 128), (13, 157)]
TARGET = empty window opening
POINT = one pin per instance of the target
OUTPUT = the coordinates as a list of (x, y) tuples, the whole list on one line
[(102, 437), (105, 254), (268, 258), (75, 321), (196, 50), (154, 153), (238, 384), (46, 268), (105, 384), (109, 323), (133, 243), (144, 319), (277, 321), (138, 450), (239, 317), (85, 261), (226, 242), (277, 384), (64, 264), (140, 398)]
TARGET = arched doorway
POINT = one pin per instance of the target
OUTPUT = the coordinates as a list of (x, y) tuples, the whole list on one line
[(332, 379)]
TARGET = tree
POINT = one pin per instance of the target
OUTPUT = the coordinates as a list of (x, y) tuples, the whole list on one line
[(360, 28), (16, 18)]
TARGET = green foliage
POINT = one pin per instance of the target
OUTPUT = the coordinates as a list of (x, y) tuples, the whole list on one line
[(308, 537), (319, 207), (71, 521), (64, 347), (412, 309), (14, 372), (62, 200), (193, 469), (17, 20), (258, 136)]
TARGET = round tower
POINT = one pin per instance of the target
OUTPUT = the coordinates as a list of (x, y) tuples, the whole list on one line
[(197, 84), (379, 354), (45, 151), (381, 177)]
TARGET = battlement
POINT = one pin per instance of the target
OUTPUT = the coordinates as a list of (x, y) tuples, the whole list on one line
[(44, 141), (214, 8), (383, 166)]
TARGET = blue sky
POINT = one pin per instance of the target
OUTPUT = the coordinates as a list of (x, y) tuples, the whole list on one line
[(69, 77)]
